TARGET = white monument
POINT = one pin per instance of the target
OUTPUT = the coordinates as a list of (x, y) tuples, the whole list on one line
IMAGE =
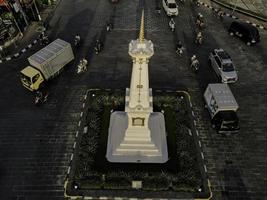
[(138, 134)]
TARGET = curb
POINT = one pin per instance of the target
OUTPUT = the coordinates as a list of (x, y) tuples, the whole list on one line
[(231, 16), (22, 51), (131, 198)]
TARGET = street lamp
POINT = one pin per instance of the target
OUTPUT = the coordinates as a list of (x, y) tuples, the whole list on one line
[(37, 11)]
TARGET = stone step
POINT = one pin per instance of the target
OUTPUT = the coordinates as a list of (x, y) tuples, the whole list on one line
[(136, 143), (137, 148)]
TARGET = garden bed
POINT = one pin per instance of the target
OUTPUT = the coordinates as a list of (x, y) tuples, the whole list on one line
[(181, 173)]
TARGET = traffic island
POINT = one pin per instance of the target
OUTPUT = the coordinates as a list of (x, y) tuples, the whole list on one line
[(92, 175)]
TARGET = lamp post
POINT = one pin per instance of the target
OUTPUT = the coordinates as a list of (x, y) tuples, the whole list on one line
[(37, 11)]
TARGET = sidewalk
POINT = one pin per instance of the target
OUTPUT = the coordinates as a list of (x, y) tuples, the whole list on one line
[(30, 35), (233, 12)]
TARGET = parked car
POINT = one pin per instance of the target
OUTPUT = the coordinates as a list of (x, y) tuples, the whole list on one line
[(245, 31), (171, 7), (223, 66)]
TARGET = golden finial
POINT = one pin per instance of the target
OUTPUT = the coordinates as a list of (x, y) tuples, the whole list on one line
[(142, 28)]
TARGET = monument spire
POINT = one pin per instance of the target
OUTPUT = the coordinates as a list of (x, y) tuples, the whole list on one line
[(142, 28)]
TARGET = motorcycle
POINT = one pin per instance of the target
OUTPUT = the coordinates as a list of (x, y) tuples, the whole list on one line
[(109, 27), (44, 40), (220, 15), (200, 24), (180, 51), (172, 25), (77, 40), (40, 98), (82, 66), (194, 64), (158, 11), (199, 38), (98, 47)]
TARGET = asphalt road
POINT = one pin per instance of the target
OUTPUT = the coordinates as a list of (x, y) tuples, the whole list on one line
[(36, 142)]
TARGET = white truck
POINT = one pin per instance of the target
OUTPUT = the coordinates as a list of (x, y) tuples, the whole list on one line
[(222, 107), (46, 64)]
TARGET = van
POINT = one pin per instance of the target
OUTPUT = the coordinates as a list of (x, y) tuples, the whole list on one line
[(246, 32), (222, 108)]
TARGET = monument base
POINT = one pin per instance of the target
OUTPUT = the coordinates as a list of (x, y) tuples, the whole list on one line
[(137, 151)]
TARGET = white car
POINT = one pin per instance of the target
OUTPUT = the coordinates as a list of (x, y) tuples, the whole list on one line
[(223, 66), (171, 7)]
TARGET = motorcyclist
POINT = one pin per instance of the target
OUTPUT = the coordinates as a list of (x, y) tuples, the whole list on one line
[(199, 37), (200, 16), (98, 46), (220, 14), (77, 39), (40, 97), (109, 26), (82, 66), (200, 20), (194, 62), (172, 24), (158, 10), (39, 94), (179, 48)]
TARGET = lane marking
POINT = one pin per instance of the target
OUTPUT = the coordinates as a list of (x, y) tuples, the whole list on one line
[(205, 168), (74, 145), (202, 155), (79, 124), (81, 114), (71, 157), (199, 143)]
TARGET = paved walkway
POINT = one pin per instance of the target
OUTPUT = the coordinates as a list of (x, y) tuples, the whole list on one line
[(257, 6), (237, 14), (32, 32)]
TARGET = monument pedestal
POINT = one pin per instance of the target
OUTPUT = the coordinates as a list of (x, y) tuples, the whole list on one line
[(134, 147)]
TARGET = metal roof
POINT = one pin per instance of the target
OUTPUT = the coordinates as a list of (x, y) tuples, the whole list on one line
[(49, 51), (223, 95)]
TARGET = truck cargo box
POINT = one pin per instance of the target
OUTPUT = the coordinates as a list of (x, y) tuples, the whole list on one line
[(52, 58)]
